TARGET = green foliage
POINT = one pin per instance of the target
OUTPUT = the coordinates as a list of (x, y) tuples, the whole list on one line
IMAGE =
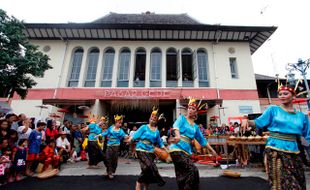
[(20, 61)]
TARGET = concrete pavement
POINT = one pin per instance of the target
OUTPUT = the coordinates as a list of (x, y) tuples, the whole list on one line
[(132, 167)]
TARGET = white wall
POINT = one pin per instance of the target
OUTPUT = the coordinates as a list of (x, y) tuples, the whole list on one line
[(218, 60)]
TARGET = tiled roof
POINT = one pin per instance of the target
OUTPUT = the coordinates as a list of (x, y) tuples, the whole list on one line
[(147, 18)]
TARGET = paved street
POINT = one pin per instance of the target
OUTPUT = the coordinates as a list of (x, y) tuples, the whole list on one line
[(131, 167)]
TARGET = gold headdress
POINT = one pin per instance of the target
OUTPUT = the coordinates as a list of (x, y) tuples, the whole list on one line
[(103, 119), (155, 111), (118, 117), (290, 85), (92, 118)]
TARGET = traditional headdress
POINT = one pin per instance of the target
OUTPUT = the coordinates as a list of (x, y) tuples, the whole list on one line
[(155, 111), (291, 85), (103, 119), (92, 118), (199, 106), (118, 117)]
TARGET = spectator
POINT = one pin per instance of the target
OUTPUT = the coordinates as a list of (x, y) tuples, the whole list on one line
[(51, 130), (19, 159), (63, 147), (35, 140), (24, 130), (49, 157)]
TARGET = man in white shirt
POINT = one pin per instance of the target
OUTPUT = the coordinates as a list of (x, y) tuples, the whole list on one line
[(64, 147), (24, 130)]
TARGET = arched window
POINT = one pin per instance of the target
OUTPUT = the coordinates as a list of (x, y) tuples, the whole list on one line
[(123, 72), (155, 68), (92, 68), (203, 70), (187, 67), (75, 67), (171, 67), (107, 68), (139, 77)]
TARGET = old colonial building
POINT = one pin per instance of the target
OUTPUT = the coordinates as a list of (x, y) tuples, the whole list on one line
[(126, 63)]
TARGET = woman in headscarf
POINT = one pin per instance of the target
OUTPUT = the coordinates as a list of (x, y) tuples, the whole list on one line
[(186, 130)]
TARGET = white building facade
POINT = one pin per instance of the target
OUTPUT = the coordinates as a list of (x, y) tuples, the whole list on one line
[(126, 66)]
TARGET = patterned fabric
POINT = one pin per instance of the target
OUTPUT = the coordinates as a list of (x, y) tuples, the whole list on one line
[(111, 159), (186, 172), (94, 153), (149, 172), (285, 170)]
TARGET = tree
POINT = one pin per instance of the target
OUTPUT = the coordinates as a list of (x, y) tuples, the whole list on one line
[(20, 61)]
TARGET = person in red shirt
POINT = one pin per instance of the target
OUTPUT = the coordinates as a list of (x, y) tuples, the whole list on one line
[(49, 157), (51, 130)]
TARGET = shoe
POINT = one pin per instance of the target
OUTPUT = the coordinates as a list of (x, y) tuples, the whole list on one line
[(110, 176), (18, 178), (10, 180), (162, 183)]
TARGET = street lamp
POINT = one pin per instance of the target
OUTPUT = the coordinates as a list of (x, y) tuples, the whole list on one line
[(300, 66)]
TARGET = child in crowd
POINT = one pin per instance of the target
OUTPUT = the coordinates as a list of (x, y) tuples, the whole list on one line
[(19, 159), (5, 164), (35, 140), (48, 156)]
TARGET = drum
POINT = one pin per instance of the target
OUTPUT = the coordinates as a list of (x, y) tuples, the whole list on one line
[(162, 154), (197, 146)]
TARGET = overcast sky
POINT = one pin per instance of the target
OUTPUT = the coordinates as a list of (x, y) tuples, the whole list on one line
[(290, 42)]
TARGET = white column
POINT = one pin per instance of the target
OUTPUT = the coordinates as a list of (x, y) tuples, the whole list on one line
[(115, 68), (177, 105), (96, 109), (147, 68), (83, 68), (99, 69), (131, 68), (180, 68), (163, 68), (196, 84)]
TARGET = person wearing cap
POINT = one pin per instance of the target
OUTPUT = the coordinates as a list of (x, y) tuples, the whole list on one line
[(34, 141), (283, 163), (114, 134), (148, 136), (63, 147), (186, 130)]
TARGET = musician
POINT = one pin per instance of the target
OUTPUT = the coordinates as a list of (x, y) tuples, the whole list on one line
[(148, 136), (114, 135), (186, 130)]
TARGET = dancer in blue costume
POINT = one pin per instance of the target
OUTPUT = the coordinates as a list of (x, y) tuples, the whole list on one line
[(148, 136), (283, 164), (186, 130), (114, 135), (94, 150)]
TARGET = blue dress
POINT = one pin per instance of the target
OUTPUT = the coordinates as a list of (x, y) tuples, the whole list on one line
[(147, 138), (188, 132), (280, 121), (94, 130), (114, 136)]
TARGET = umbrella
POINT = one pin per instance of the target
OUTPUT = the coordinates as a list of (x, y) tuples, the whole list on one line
[(54, 115), (63, 110), (83, 108), (42, 106), (83, 116)]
